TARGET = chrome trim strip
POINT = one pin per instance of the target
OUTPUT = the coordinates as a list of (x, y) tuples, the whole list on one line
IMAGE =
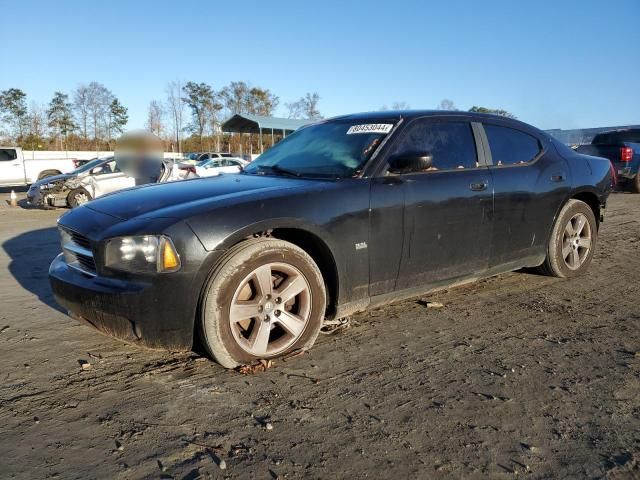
[(75, 248), (78, 267)]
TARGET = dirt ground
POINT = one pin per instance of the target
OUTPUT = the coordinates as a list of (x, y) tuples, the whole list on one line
[(517, 376)]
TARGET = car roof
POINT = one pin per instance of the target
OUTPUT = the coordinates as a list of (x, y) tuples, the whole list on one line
[(411, 114)]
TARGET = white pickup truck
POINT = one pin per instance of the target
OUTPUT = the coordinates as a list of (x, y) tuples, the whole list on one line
[(15, 170)]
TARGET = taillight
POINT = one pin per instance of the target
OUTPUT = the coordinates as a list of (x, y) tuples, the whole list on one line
[(626, 154)]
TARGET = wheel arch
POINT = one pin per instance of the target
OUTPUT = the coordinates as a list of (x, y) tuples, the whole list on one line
[(306, 238), (591, 199), (320, 252), (48, 173)]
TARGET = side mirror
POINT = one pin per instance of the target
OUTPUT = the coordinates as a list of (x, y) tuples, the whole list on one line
[(410, 162)]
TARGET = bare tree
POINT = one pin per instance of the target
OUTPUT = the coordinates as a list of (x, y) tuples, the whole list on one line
[(175, 108), (81, 105), (396, 106), (446, 104), (37, 128), (100, 99), (305, 107), (155, 115)]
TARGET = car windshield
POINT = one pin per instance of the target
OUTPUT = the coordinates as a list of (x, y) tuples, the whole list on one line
[(334, 149), (88, 166)]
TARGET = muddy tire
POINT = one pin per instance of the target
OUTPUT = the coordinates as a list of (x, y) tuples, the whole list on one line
[(265, 300), (635, 183), (572, 242), (77, 197)]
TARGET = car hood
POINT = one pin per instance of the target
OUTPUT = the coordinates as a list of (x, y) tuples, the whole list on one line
[(55, 178), (172, 198)]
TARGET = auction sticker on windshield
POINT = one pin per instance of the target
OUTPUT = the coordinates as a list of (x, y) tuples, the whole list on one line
[(370, 128)]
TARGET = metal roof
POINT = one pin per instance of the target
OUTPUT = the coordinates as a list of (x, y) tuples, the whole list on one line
[(246, 123)]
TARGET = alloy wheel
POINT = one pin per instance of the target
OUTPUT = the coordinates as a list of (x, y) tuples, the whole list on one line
[(270, 309), (576, 241)]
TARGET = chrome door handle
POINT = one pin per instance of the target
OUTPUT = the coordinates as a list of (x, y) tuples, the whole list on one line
[(478, 187)]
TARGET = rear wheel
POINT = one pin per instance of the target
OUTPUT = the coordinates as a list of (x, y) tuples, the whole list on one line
[(635, 183), (77, 197), (572, 241), (265, 300)]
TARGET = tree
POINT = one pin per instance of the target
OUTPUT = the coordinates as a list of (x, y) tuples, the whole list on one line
[(117, 118), (36, 127), (503, 113), (201, 98), (447, 104), (261, 101), (60, 117), (81, 97), (175, 107), (396, 106), (13, 106), (155, 114), (99, 102), (234, 97), (306, 107)]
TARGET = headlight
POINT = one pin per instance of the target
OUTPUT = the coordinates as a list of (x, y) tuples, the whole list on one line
[(143, 254)]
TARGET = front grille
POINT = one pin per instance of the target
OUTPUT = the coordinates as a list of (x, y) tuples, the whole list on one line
[(78, 251)]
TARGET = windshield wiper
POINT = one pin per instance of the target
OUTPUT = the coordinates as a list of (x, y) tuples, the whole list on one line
[(278, 170)]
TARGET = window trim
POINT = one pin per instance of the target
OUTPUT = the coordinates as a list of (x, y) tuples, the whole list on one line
[(480, 154), (489, 156)]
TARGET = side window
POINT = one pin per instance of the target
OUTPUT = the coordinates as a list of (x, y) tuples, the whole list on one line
[(450, 143), (7, 154), (511, 147)]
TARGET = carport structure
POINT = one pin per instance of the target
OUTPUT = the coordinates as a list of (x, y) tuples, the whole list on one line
[(247, 123)]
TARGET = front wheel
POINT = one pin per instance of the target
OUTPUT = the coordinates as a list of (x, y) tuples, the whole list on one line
[(572, 242), (77, 197), (266, 299)]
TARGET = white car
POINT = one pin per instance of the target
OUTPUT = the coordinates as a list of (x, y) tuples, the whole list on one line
[(94, 179), (216, 166)]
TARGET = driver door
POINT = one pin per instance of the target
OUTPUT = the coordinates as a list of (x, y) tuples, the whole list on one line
[(448, 208)]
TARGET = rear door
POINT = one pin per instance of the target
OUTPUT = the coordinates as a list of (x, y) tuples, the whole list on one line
[(11, 168), (447, 209), (530, 182)]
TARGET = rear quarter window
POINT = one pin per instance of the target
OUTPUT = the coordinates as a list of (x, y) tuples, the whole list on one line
[(510, 146)]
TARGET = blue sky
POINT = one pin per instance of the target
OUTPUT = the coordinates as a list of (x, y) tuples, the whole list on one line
[(554, 64)]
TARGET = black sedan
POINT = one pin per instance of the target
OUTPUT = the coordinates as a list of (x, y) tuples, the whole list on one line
[(341, 216)]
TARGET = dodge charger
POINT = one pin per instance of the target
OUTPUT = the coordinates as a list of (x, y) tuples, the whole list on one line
[(341, 216)]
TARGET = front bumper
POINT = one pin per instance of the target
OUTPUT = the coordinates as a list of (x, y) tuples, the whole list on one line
[(155, 313)]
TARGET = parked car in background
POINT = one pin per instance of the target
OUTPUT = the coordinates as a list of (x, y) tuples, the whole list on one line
[(94, 179), (15, 170), (216, 166), (343, 215), (622, 148)]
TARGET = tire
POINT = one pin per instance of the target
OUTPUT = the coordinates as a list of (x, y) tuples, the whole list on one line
[(635, 183), (237, 336), (48, 173), (568, 253), (77, 197)]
